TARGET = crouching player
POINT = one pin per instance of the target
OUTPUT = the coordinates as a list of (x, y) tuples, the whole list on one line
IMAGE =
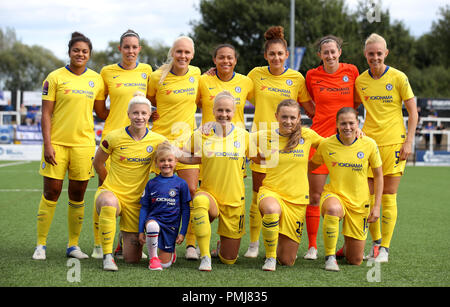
[(346, 196), (164, 204)]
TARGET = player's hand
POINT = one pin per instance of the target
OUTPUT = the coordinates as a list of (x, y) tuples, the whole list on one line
[(180, 239), (154, 116), (374, 215), (210, 72), (359, 133), (142, 238), (207, 127), (406, 150), (49, 154)]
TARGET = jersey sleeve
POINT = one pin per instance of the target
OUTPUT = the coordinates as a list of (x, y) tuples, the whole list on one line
[(375, 158), (185, 210), (317, 158), (153, 84), (404, 87), (107, 144), (49, 87), (315, 138), (101, 89), (303, 94)]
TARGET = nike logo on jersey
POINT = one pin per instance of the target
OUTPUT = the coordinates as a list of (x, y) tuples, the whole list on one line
[(116, 76)]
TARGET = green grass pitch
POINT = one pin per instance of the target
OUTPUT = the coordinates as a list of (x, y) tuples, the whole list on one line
[(419, 253)]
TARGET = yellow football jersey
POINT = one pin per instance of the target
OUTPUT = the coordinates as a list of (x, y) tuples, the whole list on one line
[(240, 86), (130, 162), (287, 171), (175, 103), (223, 159), (383, 100), (120, 85), (269, 90), (348, 166), (74, 95)]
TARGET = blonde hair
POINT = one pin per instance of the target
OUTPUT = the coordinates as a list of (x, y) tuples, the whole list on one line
[(375, 38), (139, 98), (168, 64), (296, 135), (163, 149), (224, 95)]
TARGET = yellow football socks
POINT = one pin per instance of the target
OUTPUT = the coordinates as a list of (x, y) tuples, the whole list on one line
[(388, 218), (190, 235), (255, 219), (330, 229), (75, 216), (374, 228), (107, 228), (95, 219), (45, 215), (201, 225), (270, 231)]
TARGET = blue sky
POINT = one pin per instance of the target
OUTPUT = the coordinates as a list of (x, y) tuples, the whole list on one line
[(49, 22)]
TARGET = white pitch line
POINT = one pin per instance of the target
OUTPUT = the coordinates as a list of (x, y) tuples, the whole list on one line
[(14, 163), (34, 190)]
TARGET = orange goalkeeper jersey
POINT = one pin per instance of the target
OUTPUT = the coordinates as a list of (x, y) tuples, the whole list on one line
[(330, 92)]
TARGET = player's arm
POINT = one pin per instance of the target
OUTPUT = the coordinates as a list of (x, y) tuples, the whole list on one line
[(99, 164), (413, 118), (186, 154), (378, 188), (310, 108), (100, 109), (143, 213), (46, 126), (312, 166)]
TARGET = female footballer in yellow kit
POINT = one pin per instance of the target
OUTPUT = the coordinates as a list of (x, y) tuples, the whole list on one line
[(224, 78), (121, 80), (272, 84), (69, 94), (173, 90), (222, 154), (383, 90), (284, 193), (131, 150), (346, 196)]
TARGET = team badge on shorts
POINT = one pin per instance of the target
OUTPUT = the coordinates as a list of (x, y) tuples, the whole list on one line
[(389, 87), (360, 155), (43, 165)]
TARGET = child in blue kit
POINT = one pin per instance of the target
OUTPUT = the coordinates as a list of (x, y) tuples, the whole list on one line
[(165, 203)]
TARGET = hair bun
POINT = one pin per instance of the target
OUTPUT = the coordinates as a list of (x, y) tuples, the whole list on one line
[(77, 34), (274, 32)]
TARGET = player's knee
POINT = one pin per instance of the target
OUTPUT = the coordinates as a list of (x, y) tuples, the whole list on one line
[(354, 259), (227, 260), (201, 202), (287, 260), (152, 227)]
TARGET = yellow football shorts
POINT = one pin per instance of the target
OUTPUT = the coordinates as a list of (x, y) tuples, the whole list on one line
[(392, 165), (76, 160), (292, 216), (354, 224)]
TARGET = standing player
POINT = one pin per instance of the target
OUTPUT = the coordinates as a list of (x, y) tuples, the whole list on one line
[(382, 89), (272, 84), (222, 154), (165, 204), (331, 86), (173, 89), (283, 196), (121, 80), (224, 79), (347, 195), (131, 150), (69, 95)]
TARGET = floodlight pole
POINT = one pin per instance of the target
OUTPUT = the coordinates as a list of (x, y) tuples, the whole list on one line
[(292, 51)]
